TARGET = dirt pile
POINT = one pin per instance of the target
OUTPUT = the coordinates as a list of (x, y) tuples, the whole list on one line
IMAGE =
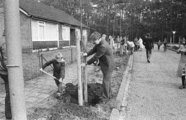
[(95, 94)]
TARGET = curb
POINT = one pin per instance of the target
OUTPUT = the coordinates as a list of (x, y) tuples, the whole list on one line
[(119, 112)]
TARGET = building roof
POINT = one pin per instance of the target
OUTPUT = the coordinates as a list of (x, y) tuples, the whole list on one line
[(42, 11)]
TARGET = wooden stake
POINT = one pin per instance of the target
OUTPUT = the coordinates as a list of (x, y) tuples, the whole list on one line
[(84, 70), (80, 90)]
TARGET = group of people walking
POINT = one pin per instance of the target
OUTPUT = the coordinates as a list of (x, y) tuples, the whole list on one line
[(159, 43), (181, 71), (122, 45), (117, 44)]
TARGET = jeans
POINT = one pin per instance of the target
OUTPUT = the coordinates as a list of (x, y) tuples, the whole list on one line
[(8, 112)]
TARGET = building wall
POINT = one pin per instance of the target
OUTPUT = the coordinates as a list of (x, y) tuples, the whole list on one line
[(26, 38), (24, 28)]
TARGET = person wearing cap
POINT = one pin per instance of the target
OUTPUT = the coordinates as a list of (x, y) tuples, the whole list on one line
[(58, 69), (102, 52), (148, 43), (182, 64), (4, 76)]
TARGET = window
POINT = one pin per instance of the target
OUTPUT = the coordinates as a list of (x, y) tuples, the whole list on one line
[(44, 31), (51, 32), (66, 33), (41, 30)]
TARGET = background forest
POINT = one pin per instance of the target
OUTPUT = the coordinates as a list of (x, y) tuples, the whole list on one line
[(128, 17)]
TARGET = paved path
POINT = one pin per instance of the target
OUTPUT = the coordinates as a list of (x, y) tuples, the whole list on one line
[(153, 92), (40, 88)]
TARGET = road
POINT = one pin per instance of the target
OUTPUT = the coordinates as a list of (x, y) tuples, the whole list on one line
[(153, 92)]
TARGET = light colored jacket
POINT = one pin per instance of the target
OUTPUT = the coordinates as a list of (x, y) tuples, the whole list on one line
[(131, 44)]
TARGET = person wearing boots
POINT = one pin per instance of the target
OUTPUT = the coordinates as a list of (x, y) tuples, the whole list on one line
[(4, 76), (148, 43), (182, 63), (102, 52)]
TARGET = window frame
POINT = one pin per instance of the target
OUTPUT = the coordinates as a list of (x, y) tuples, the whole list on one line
[(64, 26), (40, 23)]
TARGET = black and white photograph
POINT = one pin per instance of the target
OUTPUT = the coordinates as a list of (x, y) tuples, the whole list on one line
[(92, 59)]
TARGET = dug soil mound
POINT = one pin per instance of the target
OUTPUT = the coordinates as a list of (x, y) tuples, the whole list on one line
[(95, 94), (66, 106)]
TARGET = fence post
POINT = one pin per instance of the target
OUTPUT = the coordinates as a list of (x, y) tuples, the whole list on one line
[(71, 54), (41, 62)]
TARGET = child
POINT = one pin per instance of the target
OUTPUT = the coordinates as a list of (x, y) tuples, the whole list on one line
[(58, 70), (159, 44)]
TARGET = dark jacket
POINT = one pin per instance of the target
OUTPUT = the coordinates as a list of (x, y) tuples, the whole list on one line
[(58, 70), (103, 53), (3, 60), (148, 43)]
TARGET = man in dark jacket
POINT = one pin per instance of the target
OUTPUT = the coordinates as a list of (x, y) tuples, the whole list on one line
[(103, 53), (4, 76), (148, 43)]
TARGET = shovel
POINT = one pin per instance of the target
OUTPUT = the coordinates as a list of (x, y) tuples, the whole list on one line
[(61, 87)]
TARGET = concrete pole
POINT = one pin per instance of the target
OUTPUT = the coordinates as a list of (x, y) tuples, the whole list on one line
[(14, 55), (173, 38), (170, 40)]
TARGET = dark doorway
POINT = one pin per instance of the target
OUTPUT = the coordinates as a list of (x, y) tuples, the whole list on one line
[(72, 36)]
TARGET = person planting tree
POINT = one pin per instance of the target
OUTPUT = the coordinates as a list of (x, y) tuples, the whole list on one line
[(103, 53)]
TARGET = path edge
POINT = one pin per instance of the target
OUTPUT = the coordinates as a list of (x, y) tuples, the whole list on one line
[(118, 113)]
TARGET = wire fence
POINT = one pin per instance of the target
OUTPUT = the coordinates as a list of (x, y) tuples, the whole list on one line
[(33, 61)]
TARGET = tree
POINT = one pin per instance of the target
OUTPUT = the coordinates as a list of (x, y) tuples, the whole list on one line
[(126, 17)]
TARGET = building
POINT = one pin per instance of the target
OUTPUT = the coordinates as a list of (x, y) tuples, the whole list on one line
[(44, 27), (44, 31)]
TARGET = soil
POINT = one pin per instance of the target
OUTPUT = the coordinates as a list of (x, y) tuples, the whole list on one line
[(56, 109)]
